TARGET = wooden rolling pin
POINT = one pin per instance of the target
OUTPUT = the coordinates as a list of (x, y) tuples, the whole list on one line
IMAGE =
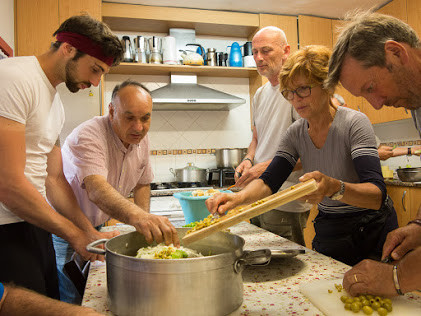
[(290, 194)]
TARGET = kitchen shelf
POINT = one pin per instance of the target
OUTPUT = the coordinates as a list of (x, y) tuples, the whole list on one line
[(162, 69), (142, 18)]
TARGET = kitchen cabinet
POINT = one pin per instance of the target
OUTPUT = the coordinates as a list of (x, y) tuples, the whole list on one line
[(407, 201), (351, 101), (315, 31), (402, 202), (37, 20), (413, 9)]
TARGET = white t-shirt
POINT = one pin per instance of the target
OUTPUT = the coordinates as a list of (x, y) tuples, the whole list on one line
[(272, 115), (27, 97)]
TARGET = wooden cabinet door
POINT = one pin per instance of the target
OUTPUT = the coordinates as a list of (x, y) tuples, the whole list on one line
[(314, 31), (68, 8), (397, 9), (402, 202), (415, 201), (351, 101), (413, 9), (36, 21)]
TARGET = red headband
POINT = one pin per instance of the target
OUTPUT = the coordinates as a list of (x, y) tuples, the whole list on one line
[(85, 45)]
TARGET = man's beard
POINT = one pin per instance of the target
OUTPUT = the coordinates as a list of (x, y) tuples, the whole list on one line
[(71, 82)]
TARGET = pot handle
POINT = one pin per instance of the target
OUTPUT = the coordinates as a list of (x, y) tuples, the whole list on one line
[(92, 247), (259, 257)]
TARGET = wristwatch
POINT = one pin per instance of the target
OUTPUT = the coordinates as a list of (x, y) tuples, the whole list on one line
[(340, 194)]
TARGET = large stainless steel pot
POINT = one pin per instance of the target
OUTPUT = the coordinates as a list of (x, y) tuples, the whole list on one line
[(229, 157), (190, 173), (210, 285), (409, 174)]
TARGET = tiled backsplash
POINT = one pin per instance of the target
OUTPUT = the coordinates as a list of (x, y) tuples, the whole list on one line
[(194, 134)]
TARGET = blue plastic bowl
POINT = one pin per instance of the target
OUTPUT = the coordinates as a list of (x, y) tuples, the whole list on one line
[(194, 207)]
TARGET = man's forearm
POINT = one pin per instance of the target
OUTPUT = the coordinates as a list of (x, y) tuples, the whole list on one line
[(19, 301), (142, 197), (27, 203), (62, 198), (110, 201)]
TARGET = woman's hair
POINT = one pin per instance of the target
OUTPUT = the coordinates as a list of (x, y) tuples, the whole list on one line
[(311, 62), (363, 38), (95, 30)]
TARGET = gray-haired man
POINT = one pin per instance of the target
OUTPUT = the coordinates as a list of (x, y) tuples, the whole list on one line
[(378, 57)]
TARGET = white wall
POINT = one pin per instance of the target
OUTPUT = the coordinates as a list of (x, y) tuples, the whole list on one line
[(397, 131), (7, 27)]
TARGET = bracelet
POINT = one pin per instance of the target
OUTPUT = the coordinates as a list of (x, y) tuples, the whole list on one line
[(415, 221), (409, 152), (248, 160), (395, 280)]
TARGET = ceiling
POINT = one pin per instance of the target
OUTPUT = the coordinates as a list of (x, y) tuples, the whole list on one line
[(322, 8)]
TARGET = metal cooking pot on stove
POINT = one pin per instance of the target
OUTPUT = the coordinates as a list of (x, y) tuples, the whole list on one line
[(210, 285), (189, 174), (229, 157)]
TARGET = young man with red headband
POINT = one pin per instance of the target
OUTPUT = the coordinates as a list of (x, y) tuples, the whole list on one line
[(31, 118)]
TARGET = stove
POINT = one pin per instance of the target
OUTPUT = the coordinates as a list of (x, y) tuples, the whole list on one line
[(169, 188), (164, 204)]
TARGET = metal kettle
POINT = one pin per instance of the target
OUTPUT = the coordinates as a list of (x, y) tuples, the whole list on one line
[(128, 51)]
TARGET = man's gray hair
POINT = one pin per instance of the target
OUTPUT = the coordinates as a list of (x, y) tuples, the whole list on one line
[(126, 83), (363, 38)]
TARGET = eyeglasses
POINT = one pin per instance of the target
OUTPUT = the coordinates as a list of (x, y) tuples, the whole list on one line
[(302, 92)]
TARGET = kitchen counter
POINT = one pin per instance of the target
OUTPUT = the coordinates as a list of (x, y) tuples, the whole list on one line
[(268, 290), (401, 183)]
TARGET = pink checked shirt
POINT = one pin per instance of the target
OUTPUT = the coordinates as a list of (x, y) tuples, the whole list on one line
[(94, 149)]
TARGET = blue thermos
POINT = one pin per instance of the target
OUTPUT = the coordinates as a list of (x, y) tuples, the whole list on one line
[(235, 58)]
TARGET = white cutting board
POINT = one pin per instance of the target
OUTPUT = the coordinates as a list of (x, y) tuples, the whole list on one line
[(331, 305)]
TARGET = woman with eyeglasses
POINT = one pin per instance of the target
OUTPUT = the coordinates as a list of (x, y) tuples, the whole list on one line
[(337, 148)]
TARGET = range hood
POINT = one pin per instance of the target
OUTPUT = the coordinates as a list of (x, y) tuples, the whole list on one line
[(183, 94)]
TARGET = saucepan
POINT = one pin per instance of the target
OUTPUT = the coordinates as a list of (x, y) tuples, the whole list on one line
[(189, 174), (229, 157), (210, 285)]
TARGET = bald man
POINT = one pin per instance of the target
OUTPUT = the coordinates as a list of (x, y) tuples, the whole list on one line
[(272, 115)]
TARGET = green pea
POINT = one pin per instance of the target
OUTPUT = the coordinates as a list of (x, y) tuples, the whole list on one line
[(362, 297), (349, 300), (347, 306), (344, 298), (367, 310)]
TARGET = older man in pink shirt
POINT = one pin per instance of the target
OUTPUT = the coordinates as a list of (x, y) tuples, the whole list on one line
[(104, 159)]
